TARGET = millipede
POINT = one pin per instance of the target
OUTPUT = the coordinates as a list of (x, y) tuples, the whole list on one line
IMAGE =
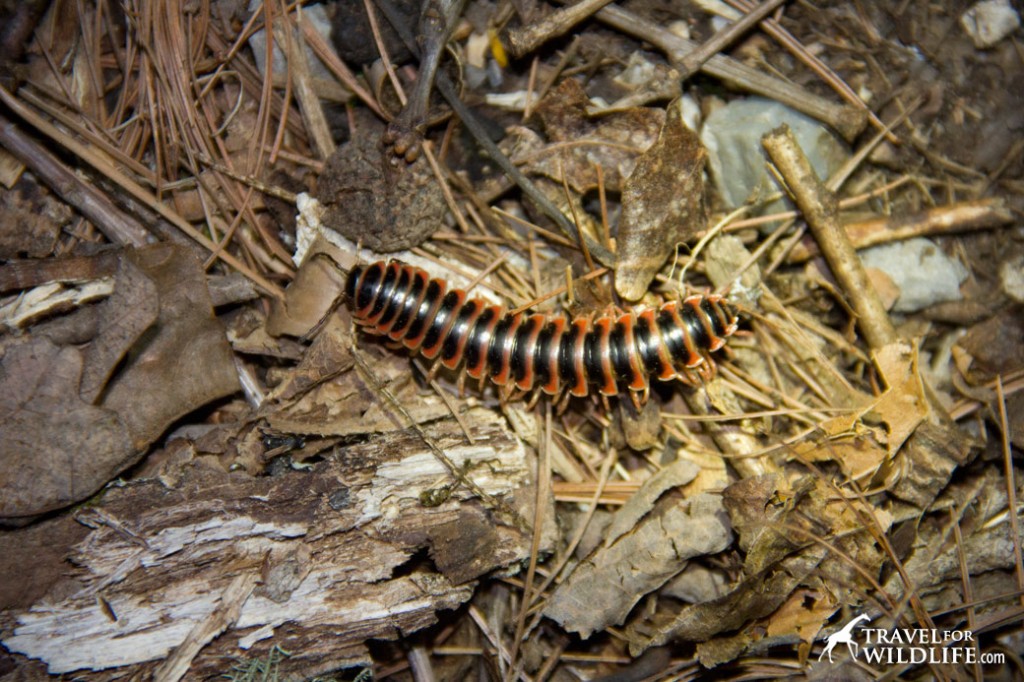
[(611, 353)]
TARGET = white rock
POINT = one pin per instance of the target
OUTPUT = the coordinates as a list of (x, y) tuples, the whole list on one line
[(639, 70), (924, 274), (1011, 274), (989, 21)]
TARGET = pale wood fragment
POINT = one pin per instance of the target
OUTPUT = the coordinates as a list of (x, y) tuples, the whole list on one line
[(343, 552)]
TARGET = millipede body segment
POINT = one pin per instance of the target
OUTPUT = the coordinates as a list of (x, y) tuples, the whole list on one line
[(612, 353)]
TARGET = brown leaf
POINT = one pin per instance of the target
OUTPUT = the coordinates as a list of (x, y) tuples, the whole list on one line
[(347, 405), (580, 142), (903, 406), (184, 362), (799, 617), (930, 458), (662, 204), (641, 428), (995, 344), (863, 450), (754, 597), (55, 449), (606, 586), (312, 294), (128, 312)]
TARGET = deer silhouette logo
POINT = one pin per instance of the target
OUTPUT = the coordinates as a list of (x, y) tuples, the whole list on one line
[(843, 636)]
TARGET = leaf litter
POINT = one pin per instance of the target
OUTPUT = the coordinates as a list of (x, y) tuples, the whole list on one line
[(247, 445)]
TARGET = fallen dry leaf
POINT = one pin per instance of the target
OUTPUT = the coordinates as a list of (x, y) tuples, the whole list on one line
[(125, 315), (185, 362), (68, 429), (578, 143), (56, 449), (312, 294), (662, 204), (605, 586), (803, 614)]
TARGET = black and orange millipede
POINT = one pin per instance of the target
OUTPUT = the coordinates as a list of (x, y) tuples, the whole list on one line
[(611, 353)]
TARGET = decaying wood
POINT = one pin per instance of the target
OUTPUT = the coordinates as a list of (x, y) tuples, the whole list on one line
[(369, 543)]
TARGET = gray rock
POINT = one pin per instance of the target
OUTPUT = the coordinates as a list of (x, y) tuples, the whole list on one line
[(317, 16), (924, 274), (1011, 276), (732, 135), (989, 22)]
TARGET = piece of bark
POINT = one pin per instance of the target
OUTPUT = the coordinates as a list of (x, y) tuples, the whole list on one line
[(339, 549)]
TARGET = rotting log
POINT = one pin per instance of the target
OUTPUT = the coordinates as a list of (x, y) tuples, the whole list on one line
[(361, 545)]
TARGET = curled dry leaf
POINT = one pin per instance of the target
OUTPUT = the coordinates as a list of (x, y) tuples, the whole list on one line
[(985, 548), (777, 523), (323, 396), (662, 204), (70, 425), (312, 294), (804, 613), (863, 450), (641, 428), (636, 558)]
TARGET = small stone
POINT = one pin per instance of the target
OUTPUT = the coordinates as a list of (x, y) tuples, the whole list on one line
[(732, 136), (316, 15), (924, 274), (1012, 279), (989, 22), (1011, 275)]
